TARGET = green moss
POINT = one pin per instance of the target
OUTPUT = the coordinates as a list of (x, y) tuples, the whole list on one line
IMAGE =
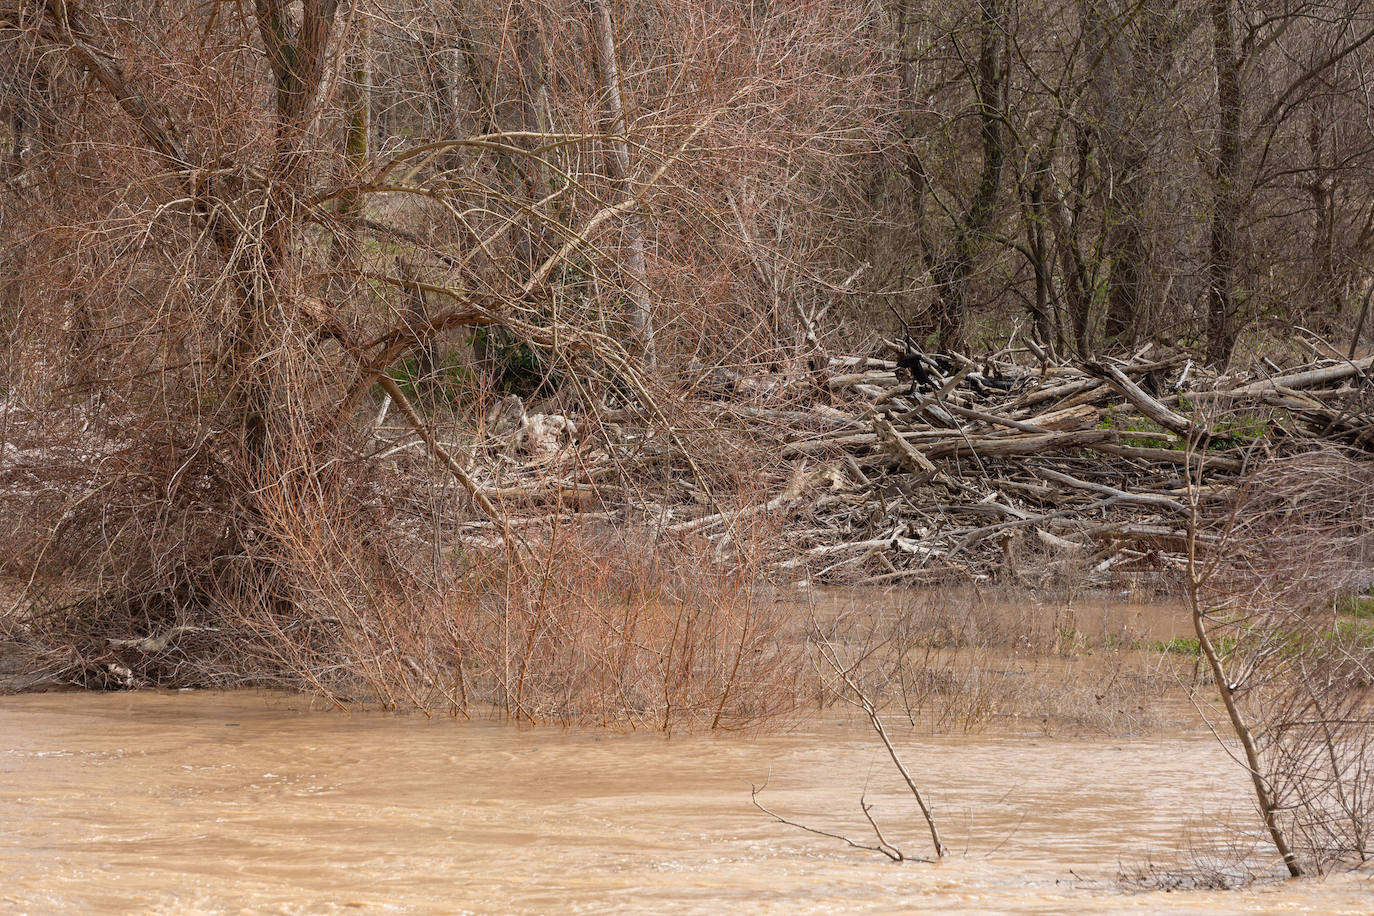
[(1142, 432), (1239, 429)]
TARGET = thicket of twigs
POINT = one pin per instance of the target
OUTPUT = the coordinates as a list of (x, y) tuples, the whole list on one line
[(1293, 662), (230, 266)]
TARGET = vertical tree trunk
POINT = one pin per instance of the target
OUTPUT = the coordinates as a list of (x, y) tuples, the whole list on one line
[(1329, 285), (296, 48), (357, 99), (641, 312), (1077, 285), (953, 271), (1134, 48), (1127, 281), (1112, 90), (1221, 267), (533, 105), (1047, 327)]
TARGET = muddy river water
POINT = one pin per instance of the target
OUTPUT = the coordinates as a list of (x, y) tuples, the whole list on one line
[(253, 803)]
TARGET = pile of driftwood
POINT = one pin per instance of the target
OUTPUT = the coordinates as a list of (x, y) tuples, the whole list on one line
[(979, 465), (924, 468)]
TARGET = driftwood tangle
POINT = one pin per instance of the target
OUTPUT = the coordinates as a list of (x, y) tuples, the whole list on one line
[(1000, 467)]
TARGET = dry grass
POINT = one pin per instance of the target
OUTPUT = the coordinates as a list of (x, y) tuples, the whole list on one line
[(964, 661)]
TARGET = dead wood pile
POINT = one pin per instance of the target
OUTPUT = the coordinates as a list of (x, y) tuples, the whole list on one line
[(933, 468)]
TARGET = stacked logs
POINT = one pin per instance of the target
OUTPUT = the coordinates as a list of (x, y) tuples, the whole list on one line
[(927, 468)]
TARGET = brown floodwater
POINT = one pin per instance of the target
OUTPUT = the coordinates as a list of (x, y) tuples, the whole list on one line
[(253, 803)]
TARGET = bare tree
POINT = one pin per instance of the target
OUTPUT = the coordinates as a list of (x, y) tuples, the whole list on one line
[(1286, 671)]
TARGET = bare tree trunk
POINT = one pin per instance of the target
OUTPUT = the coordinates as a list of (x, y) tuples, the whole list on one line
[(641, 314), (1221, 266), (953, 271), (1225, 689), (1077, 292), (357, 118), (1134, 51), (1046, 325), (1327, 293)]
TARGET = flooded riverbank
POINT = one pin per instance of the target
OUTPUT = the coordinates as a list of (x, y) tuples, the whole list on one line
[(245, 802)]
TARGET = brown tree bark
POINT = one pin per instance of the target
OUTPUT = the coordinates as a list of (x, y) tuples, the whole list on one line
[(357, 99), (953, 272), (1226, 204), (641, 308), (1134, 52)]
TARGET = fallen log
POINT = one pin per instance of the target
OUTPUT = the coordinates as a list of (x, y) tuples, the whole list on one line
[(906, 454), (1172, 456), (1147, 405), (1142, 499), (1306, 379), (1026, 444)]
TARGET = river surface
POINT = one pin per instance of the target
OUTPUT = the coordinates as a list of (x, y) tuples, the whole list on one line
[(254, 803)]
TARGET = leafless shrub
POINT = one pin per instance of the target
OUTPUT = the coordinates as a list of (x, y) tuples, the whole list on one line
[(245, 220), (839, 673), (610, 632), (1293, 674)]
